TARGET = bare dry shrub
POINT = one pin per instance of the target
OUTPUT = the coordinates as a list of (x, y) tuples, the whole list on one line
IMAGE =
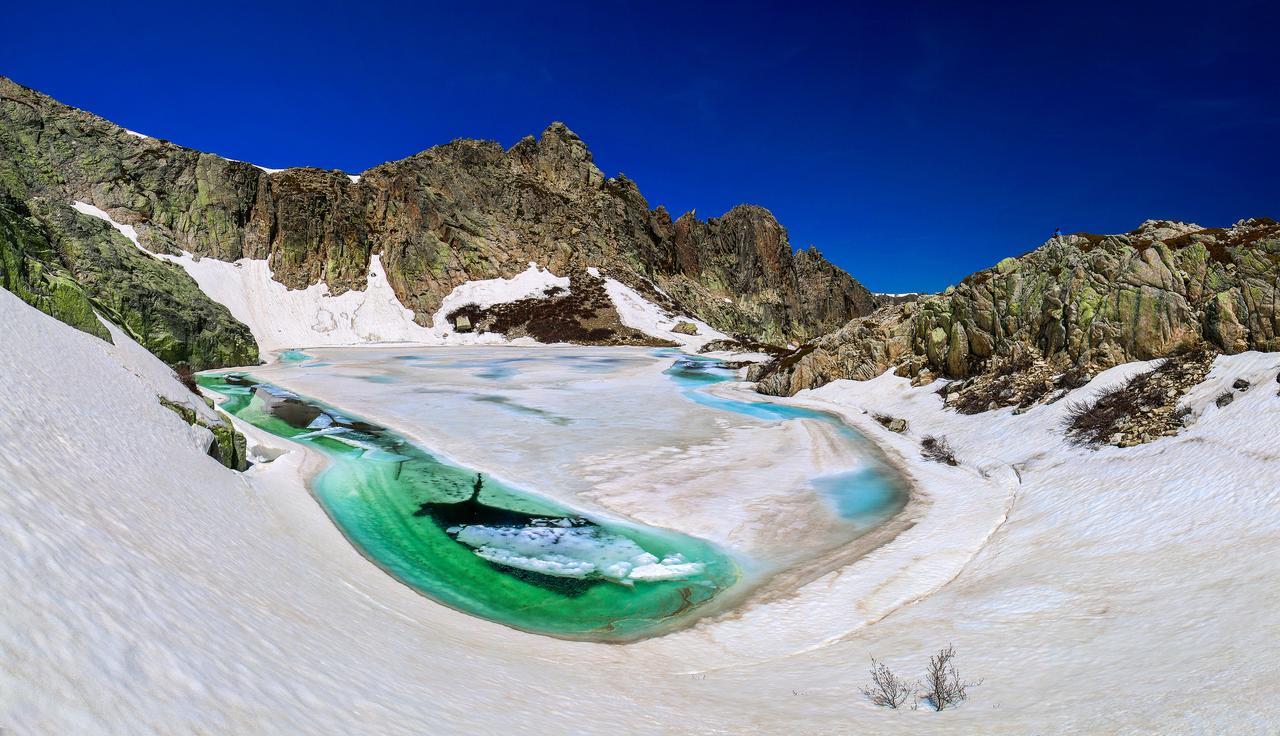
[(887, 690), (938, 450), (1094, 424), (943, 686)]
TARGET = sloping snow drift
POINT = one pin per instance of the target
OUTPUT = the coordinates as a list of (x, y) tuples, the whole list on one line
[(148, 589), (639, 313), (280, 317)]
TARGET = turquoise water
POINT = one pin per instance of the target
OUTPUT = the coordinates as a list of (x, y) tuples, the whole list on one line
[(503, 554), (867, 494), (509, 555)]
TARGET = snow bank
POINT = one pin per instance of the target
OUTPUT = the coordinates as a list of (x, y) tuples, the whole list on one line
[(150, 590), (639, 313), (280, 317), (484, 293)]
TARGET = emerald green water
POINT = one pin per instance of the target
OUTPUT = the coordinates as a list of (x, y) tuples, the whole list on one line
[(389, 497)]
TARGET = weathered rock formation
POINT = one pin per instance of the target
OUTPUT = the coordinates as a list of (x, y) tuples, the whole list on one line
[(74, 267), (457, 212), (1081, 301)]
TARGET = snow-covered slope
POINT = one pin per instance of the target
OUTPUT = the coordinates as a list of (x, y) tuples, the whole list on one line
[(148, 589), (282, 318), (640, 313)]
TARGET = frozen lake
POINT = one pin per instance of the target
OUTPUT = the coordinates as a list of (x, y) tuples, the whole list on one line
[(648, 488)]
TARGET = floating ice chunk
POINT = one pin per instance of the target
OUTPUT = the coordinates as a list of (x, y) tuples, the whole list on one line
[(326, 432), (549, 564), (320, 422), (672, 567), (574, 552)]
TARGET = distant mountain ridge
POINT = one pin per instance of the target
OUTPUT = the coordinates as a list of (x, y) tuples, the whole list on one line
[(458, 212)]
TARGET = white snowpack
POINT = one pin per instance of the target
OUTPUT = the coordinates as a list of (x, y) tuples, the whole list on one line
[(150, 590), (529, 283), (639, 313), (282, 318)]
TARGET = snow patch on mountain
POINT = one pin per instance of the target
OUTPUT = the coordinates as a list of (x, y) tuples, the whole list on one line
[(530, 283), (281, 318), (639, 313)]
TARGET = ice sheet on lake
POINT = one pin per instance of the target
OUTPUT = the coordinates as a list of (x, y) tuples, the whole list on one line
[(574, 552)]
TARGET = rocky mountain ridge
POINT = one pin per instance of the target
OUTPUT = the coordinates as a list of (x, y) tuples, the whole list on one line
[(462, 211), (1074, 305)]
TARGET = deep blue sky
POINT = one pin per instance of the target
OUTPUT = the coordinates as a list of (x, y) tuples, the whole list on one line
[(912, 142)]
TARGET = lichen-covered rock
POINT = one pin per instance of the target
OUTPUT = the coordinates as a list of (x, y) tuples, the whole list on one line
[(1082, 300), (228, 445), (155, 302), (462, 211), (31, 269)]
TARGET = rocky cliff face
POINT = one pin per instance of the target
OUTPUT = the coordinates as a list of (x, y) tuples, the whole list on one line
[(462, 211), (75, 268), (1081, 302)]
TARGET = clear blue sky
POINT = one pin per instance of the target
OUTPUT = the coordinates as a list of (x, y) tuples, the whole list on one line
[(912, 143)]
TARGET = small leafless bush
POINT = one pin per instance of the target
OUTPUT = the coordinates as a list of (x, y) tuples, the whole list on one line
[(938, 450), (187, 377), (1093, 424), (943, 686), (887, 690)]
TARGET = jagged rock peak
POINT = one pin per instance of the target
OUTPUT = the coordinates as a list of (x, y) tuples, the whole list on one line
[(1165, 229), (457, 212)]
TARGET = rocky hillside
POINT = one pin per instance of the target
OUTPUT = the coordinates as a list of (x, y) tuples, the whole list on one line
[(74, 268), (1072, 306), (462, 211)]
